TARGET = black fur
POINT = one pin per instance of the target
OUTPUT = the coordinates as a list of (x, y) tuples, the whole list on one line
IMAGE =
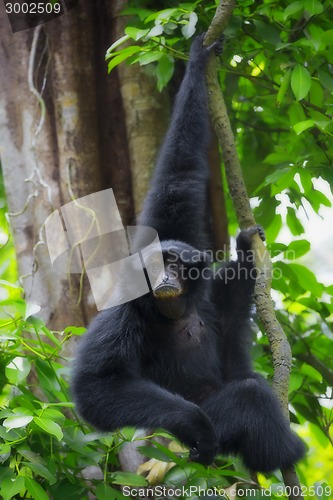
[(192, 375)]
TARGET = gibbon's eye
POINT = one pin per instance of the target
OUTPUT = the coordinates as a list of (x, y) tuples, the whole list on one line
[(173, 267)]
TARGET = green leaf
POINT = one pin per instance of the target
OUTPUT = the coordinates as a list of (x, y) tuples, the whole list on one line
[(326, 79), (128, 479), (164, 71), (316, 95), (70, 489), (300, 82), (104, 492), (327, 37), (37, 322), (296, 113), (6, 473), (308, 413), (12, 435), (17, 421), (296, 381), (11, 285), (47, 376), (296, 249), (277, 174), (50, 335), (311, 372), (18, 370), (276, 248), (323, 124), (31, 309), (321, 198), (116, 44), (135, 33), (307, 279), (41, 471), (49, 426), (18, 304), (162, 14), (281, 179), (155, 31), (51, 413), (169, 28), (32, 456), (293, 222), (317, 198), (180, 475), (306, 180), (268, 32), (313, 7), (5, 450), (304, 125), (10, 488), (148, 57), (151, 452), (310, 303), (283, 88), (278, 159), (189, 29), (75, 330), (168, 453), (35, 489), (271, 222), (122, 56), (292, 9)]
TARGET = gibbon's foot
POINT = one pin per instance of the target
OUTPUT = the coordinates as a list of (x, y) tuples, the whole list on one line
[(199, 52), (244, 238), (257, 229), (219, 46)]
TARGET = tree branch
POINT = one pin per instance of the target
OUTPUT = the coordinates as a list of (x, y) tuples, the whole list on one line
[(280, 348), (318, 365)]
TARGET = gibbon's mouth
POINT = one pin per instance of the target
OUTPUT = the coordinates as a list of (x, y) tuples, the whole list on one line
[(168, 291)]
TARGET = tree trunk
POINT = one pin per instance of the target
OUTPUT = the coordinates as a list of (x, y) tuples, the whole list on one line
[(146, 114), (68, 129)]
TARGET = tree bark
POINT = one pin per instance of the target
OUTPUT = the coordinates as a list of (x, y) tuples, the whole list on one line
[(219, 222), (68, 129), (30, 159), (146, 114)]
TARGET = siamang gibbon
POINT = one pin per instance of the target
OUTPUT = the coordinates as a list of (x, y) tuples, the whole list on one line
[(178, 358)]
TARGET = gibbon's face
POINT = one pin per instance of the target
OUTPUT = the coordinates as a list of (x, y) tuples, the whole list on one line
[(172, 282)]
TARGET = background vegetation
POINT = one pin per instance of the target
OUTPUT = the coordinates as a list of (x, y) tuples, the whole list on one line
[(277, 76)]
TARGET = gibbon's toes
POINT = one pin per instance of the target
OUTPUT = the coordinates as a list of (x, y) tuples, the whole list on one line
[(219, 46), (257, 229)]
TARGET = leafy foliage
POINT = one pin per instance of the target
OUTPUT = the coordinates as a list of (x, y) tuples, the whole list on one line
[(46, 451), (8, 271), (44, 447)]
